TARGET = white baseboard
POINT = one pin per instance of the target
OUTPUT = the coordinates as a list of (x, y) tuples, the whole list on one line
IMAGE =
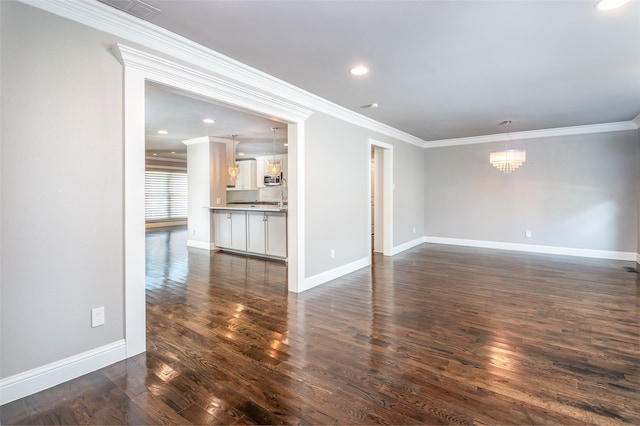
[(201, 245), (41, 378), (565, 251), (637, 257), (406, 246), (332, 274)]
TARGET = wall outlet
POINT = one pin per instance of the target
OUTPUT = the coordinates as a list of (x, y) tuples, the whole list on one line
[(527, 234), (218, 201), (97, 316), (333, 253)]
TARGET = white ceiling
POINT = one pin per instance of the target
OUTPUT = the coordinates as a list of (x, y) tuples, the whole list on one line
[(440, 69)]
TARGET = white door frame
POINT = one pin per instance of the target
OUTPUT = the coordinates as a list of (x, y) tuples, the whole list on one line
[(140, 67), (387, 195)]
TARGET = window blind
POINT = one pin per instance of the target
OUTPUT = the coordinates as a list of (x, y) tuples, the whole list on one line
[(165, 195)]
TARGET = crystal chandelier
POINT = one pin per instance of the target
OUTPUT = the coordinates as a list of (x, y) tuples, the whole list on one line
[(507, 160), (274, 165), (234, 170)]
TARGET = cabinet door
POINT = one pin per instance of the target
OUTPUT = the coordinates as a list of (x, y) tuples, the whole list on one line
[(256, 232), (238, 230), (276, 244), (221, 229), (260, 169)]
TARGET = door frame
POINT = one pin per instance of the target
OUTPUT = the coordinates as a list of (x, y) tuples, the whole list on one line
[(140, 67), (387, 194)]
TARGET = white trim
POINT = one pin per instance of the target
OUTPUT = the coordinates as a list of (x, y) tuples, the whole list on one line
[(531, 134), (637, 257), (408, 245), (332, 274), (41, 378), (201, 245), (564, 251), (636, 121)]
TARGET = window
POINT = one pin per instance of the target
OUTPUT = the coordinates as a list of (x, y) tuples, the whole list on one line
[(165, 195)]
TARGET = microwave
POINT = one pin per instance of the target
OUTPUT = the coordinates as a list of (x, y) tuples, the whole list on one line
[(273, 180)]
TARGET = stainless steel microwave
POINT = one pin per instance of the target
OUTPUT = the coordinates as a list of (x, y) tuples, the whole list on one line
[(273, 180)]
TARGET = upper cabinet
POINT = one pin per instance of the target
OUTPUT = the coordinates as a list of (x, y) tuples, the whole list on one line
[(262, 167), (247, 178)]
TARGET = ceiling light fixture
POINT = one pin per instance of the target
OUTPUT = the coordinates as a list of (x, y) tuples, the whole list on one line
[(208, 120), (163, 132), (359, 70), (373, 105), (234, 170), (507, 160), (274, 165), (610, 4)]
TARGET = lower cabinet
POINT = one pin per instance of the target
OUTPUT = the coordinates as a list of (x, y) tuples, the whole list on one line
[(230, 229), (267, 233), (255, 232)]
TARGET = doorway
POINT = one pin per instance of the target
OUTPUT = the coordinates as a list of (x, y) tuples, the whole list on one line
[(380, 208)]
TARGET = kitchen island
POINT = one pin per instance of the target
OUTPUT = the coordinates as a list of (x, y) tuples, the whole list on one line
[(254, 229)]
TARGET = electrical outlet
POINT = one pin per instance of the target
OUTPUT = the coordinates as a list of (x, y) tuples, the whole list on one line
[(527, 234), (333, 253), (218, 201), (97, 316)]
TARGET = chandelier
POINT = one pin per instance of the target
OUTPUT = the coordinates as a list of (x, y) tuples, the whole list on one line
[(507, 160), (274, 165), (234, 170)]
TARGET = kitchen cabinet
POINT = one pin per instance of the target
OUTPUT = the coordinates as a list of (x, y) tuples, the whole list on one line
[(262, 167), (267, 233), (247, 178), (230, 229)]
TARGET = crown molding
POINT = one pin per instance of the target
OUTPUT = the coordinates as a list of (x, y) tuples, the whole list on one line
[(108, 19), (533, 134), (202, 139)]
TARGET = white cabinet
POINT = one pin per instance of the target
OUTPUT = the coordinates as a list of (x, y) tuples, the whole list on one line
[(246, 179), (267, 233), (230, 229), (276, 228), (262, 167)]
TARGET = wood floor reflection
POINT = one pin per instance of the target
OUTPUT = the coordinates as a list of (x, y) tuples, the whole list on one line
[(434, 335)]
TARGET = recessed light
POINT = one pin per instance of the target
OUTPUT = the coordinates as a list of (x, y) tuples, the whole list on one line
[(359, 70), (241, 154), (208, 120), (163, 132), (610, 4), (286, 144), (155, 153), (373, 105), (173, 152)]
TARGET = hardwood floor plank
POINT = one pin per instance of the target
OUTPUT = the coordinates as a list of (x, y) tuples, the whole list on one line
[(435, 335)]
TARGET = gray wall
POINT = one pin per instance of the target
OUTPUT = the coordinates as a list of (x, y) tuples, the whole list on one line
[(573, 191), (61, 200), (337, 165)]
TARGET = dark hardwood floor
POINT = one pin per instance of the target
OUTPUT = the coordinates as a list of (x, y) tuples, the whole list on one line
[(434, 335)]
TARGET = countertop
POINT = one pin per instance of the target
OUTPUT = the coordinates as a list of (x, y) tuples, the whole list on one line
[(252, 207)]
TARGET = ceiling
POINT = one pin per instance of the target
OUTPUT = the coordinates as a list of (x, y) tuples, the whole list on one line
[(439, 69), (181, 114)]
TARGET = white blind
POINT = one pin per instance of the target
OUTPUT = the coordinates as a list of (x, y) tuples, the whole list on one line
[(165, 195)]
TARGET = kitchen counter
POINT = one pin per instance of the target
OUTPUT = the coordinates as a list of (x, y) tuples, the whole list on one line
[(252, 207)]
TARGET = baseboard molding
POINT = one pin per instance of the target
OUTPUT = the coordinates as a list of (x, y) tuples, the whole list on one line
[(41, 378), (565, 251), (406, 246), (638, 258), (201, 245), (332, 274)]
